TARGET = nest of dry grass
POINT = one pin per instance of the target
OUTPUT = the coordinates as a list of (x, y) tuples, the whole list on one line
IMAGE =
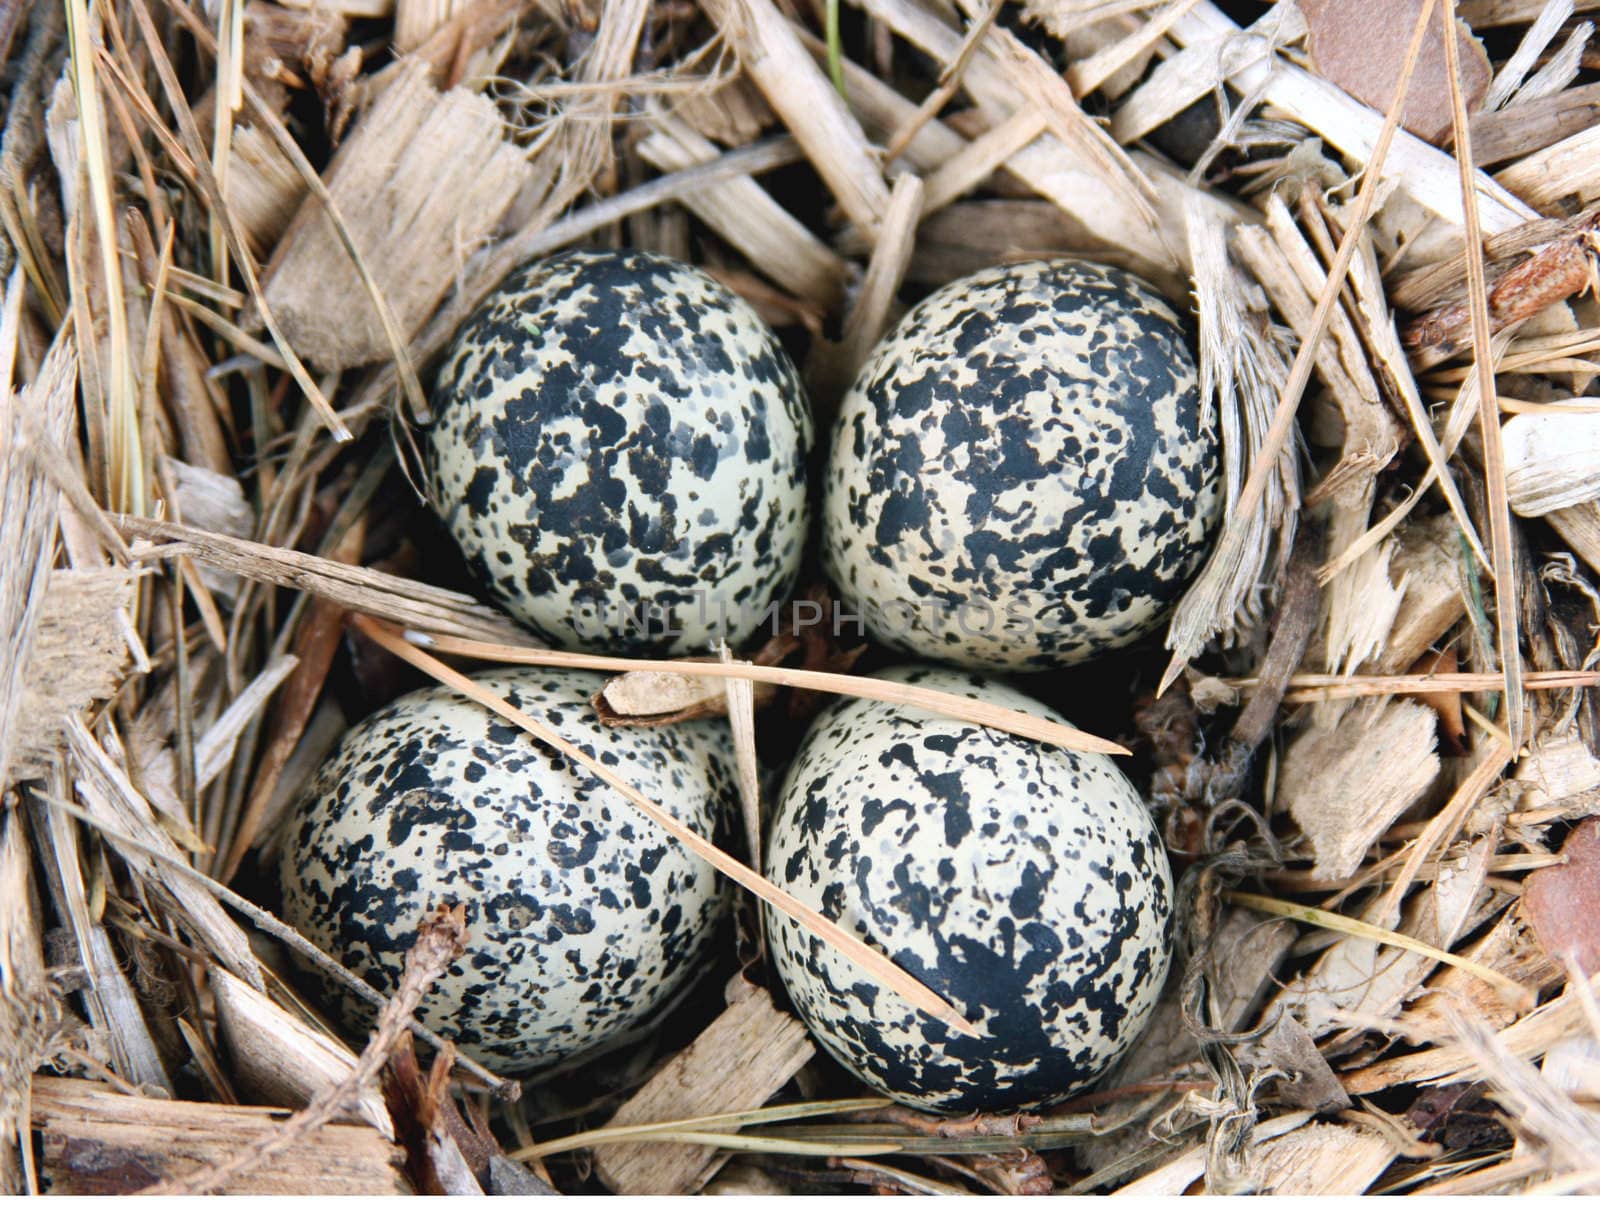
[(236, 238)]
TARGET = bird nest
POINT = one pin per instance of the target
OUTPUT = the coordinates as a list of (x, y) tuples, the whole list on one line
[(239, 235)]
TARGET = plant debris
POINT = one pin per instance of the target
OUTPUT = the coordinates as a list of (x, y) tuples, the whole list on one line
[(235, 240)]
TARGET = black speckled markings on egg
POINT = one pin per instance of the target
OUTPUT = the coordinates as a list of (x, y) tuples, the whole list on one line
[(617, 431), (583, 914), (1026, 452), (1024, 883)]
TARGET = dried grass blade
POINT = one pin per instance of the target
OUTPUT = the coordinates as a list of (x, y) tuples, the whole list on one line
[(987, 714), (1334, 922), (1494, 460), (1327, 687), (207, 183), (862, 955), (124, 458)]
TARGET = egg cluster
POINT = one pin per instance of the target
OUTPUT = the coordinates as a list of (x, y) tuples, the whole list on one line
[(1020, 477)]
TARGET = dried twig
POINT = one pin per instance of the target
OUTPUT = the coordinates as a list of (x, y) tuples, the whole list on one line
[(1283, 417)]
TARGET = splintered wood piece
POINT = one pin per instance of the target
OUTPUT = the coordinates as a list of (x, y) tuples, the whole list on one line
[(1321, 1160), (1429, 559), (110, 795), (264, 188), (1527, 127), (739, 1062), (421, 182), (1552, 461), (280, 1058), (1359, 46), (742, 212), (1579, 526), (1512, 949), (78, 656), (29, 1008), (1570, 167), (96, 1142), (416, 20), (1345, 785), (1074, 162), (1555, 767)]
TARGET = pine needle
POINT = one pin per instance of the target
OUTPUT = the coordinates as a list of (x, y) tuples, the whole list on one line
[(1494, 461), (974, 711)]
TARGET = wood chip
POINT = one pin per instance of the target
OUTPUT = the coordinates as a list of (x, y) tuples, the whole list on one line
[(739, 1062), (1321, 1160), (1427, 563), (772, 54), (282, 1060), (1249, 62), (1345, 785), (96, 1142), (1528, 127), (421, 182), (1569, 168), (743, 213), (79, 656), (263, 187)]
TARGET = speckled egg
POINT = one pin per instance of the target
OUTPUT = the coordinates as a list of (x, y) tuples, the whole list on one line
[(1022, 476), (584, 916), (620, 450), (1024, 883)]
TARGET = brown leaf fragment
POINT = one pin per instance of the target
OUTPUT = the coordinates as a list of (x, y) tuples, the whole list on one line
[(1563, 901), (1360, 45), (1307, 1080)]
